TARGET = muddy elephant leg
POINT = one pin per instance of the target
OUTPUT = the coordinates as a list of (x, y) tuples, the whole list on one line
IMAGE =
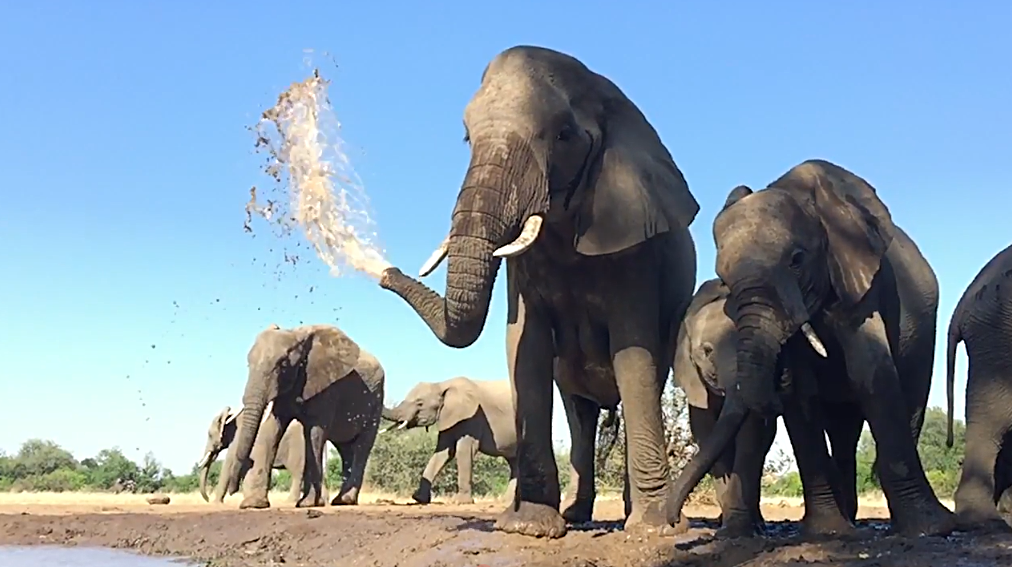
[(446, 447), (529, 356), (701, 422), (988, 418), (742, 516), (913, 506), (843, 427), (467, 447), (316, 444), (819, 478), (265, 448), (582, 415)]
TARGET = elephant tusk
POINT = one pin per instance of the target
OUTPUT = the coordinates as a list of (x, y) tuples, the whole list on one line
[(813, 339), (267, 412), (435, 259), (205, 460), (527, 237), (402, 425)]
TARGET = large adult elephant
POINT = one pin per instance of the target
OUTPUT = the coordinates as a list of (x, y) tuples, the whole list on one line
[(981, 320), (818, 275), (571, 184), (291, 454), (317, 375), (472, 416)]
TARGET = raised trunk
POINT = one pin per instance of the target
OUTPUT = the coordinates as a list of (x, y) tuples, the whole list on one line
[(488, 211), (729, 423)]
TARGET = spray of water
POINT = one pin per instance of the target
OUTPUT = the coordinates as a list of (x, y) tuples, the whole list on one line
[(325, 197)]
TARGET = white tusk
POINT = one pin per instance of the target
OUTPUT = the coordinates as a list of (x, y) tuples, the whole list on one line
[(813, 339), (402, 425), (527, 237), (204, 460), (435, 259), (267, 411)]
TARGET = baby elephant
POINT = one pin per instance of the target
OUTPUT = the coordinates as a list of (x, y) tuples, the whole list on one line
[(291, 454), (472, 416)]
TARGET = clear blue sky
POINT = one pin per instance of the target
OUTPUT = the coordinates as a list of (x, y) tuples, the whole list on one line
[(128, 166)]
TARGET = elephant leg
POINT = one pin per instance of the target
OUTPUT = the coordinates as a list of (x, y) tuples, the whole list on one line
[(511, 486), (742, 516), (988, 418), (701, 423), (446, 447), (354, 473), (913, 506), (843, 427), (467, 447), (312, 476), (265, 448), (819, 477), (582, 415), (221, 487), (529, 356), (1003, 478)]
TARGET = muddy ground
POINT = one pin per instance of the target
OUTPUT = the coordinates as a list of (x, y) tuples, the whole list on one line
[(442, 535)]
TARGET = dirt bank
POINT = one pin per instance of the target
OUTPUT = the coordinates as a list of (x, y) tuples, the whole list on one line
[(385, 535)]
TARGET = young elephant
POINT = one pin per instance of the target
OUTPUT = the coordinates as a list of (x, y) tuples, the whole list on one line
[(981, 320), (472, 416), (291, 454), (317, 375), (823, 283)]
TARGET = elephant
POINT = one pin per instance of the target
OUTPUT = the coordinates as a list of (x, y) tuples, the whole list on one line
[(571, 184), (318, 376), (291, 454), (824, 286), (981, 321), (472, 416)]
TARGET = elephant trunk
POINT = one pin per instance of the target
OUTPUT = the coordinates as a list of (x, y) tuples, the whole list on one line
[(760, 334), (254, 402), (389, 414), (729, 423), (488, 211), (954, 338)]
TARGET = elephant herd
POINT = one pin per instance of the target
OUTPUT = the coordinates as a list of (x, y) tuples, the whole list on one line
[(823, 311)]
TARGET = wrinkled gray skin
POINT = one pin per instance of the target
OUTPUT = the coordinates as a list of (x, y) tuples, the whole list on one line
[(291, 454), (319, 376), (812, 249), (472, 416), (571, 184), (983, 320)]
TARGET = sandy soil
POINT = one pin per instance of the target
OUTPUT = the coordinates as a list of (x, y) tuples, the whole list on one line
[(380, 532)]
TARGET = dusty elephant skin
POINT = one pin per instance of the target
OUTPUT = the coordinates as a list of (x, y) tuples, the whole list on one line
[(982, 320), (375, 536), (317, 375), (823, 285), (291, 454), (471, 416), (571, 184)]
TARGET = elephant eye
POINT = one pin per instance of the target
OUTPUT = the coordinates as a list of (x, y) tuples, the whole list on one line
[(565, 134), (797, 258)]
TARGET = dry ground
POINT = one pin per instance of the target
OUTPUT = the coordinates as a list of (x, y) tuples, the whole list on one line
[(387, 532)]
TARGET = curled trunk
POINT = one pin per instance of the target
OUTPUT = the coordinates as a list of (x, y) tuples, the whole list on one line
[(488, 211)]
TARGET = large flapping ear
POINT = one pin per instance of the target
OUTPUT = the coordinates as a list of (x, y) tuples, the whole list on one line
[(635, 190), (858, 226), (686, 374), (736, 194), (460, 402), (332, 356)]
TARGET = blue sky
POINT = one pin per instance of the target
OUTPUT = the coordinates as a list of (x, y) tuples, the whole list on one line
[(131, 293)]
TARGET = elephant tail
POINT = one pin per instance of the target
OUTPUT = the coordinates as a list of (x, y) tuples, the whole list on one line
[(954, 338)]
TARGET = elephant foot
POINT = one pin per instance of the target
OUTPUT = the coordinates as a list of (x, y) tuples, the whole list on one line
[(532, 519), (255, 503), (310, 502), (652, 519), (829, 523), (462, 499), (349, 498), (422, 496), (933, 520), (739, 525), (982, 523), (579, 511)]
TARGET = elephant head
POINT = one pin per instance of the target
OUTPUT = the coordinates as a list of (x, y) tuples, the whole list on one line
[(810, 243), (705, 353), (219, 436), (555, 148), (443, 404), (289, 366)]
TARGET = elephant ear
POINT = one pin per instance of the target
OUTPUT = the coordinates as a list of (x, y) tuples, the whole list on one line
[(332, 356), (635, 190), (685, 372), (858, 226), (460, 402)]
